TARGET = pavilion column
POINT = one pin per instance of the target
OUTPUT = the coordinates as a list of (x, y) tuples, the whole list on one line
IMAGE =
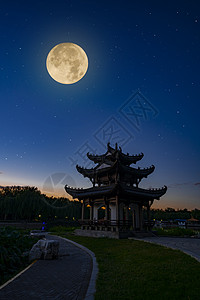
[(95, 212), (140, 217), (91, 211), (133, 218), (121, 212), (117, 210), (127, 212), (148, 217), (107, 211), (83, 211)]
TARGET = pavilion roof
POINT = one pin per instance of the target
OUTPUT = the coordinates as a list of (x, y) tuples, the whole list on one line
[(115, 153), (116, 167), (123, 189), (193, 220)]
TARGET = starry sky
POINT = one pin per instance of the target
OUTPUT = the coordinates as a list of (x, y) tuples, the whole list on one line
[(141, 90)]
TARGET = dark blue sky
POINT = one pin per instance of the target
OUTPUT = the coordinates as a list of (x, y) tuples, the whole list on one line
[(147, 46)]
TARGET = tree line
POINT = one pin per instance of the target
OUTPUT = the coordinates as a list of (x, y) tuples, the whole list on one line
[(172, 214), (28, 203)]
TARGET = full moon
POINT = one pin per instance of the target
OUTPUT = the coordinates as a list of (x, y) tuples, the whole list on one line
[(67, 63)]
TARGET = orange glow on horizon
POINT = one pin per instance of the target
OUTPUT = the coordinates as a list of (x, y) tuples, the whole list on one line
[(164, 203)]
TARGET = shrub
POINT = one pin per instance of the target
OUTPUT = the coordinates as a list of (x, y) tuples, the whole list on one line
[(13, 245), (61, 229), (175, 232)]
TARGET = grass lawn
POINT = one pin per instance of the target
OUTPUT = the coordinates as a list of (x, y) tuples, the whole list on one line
[(131, 269)]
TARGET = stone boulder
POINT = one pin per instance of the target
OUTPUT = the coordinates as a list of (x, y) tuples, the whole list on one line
[(51, 249), (44, 249)]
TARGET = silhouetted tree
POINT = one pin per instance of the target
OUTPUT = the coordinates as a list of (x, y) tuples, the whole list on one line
[(27, 203)]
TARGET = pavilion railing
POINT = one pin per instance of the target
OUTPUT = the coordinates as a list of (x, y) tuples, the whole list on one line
[(109, 224), (106, 222)]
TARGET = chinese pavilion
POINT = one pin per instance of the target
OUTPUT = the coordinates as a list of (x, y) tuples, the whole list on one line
[(115, 199)]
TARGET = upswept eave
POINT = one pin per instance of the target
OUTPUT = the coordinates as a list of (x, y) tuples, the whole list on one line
[(84, 193), (97, 158), (148, 194), (115, 153), (139, 172), (154, 193), (86, 172), (130, 159), (135, 172), (126, 158)]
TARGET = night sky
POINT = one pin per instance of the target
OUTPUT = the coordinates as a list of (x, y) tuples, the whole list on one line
[(141, 90)]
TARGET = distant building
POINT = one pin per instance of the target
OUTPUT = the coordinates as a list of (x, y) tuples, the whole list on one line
[(116, 191), (182, 223)]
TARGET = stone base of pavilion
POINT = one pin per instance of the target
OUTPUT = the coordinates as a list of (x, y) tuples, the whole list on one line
[(111, 229), (103, 233)]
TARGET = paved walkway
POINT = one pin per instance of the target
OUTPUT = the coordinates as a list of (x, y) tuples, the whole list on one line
[(65, 278), (190, 246)]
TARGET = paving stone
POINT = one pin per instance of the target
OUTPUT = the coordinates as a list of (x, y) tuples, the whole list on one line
[(190, 246), (65, 278)]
